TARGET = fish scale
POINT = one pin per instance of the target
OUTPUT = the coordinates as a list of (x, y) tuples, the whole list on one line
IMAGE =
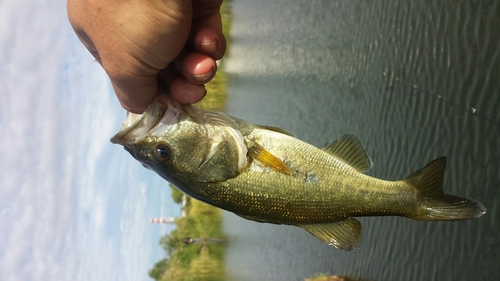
[(330, 196)]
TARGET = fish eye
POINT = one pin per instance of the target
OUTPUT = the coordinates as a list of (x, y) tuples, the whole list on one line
[(163, 152)]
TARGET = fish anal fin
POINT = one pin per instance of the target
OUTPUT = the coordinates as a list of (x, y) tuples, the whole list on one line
[(345, 234), (349, 149), (258, 152), (276, 129)]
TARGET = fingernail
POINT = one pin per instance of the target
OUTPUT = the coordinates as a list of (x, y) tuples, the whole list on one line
[(209, 47), (205, 77)]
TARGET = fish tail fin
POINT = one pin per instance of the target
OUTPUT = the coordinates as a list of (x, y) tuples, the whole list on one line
[(434, 204)]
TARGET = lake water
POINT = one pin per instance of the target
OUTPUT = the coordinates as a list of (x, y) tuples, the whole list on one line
[(414, 80)]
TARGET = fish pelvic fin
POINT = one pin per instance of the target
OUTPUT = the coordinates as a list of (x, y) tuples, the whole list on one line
[(434, 204), (345, 235), (349, 149)]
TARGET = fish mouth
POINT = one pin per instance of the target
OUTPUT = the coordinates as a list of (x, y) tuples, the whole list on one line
[(136, 126)]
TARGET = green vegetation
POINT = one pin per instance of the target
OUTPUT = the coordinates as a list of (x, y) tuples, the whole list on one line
[(190, 262), (176, 194)]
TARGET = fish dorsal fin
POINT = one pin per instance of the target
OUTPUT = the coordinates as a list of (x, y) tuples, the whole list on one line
[(258, 152), (276, 129), (349, 149), (345, 234)]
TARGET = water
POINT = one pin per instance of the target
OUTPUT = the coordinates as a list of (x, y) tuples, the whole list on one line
[(406, 77)]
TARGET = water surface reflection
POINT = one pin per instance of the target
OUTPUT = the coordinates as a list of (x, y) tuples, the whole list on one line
[(414, 80)]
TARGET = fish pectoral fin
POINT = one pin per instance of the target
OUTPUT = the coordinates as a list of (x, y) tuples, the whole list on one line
[(349, 149), (345, 234), (258, 152)]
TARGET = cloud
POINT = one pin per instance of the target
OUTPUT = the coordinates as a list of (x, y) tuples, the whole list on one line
[(32, 201), (56, 116), (73, 206)]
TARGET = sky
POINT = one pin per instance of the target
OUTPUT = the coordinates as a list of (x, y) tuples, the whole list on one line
[(73, 206)]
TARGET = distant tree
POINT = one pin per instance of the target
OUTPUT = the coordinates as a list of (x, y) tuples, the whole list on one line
[(176, 194), (158, 269), (170, 242)]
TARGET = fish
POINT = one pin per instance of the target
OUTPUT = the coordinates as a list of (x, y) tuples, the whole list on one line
[(265, 174)]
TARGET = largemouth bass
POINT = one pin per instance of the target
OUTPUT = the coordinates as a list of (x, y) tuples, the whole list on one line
[(265, 174)]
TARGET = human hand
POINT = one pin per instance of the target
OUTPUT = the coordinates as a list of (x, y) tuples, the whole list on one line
[(142, 45)]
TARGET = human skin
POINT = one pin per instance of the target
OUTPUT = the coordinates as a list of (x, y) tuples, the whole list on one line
[(152, 47)]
